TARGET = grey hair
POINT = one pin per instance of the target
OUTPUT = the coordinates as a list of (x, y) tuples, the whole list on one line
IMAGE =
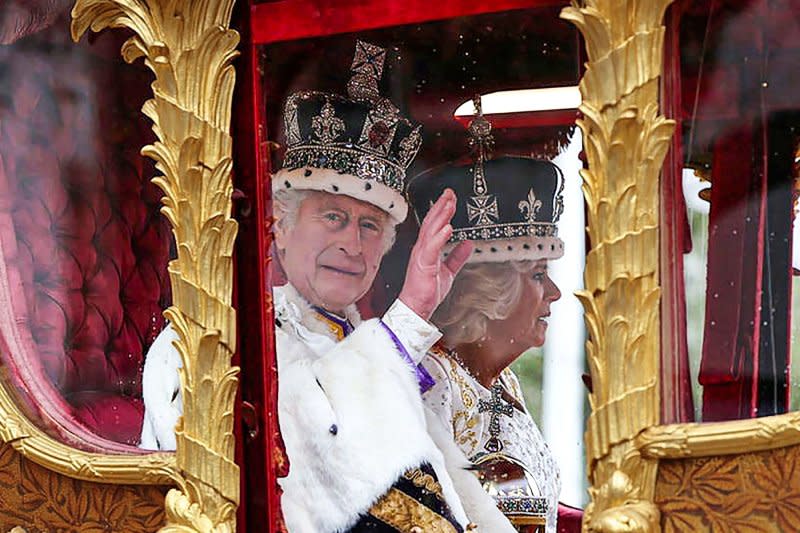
[(286, 205), (481, 292)]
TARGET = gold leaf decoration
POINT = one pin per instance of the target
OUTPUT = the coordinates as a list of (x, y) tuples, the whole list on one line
[(36, 500), (675, 441), (189, 47), (22, 122), (758, 492), (625, 141)]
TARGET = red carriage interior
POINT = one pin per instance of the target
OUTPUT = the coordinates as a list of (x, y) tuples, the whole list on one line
[(85, 246), (299, 44), (732, 67)]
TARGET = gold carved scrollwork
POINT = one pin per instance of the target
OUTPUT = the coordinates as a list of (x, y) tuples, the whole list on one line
[(678, 441), (189, 47), (37, 499), (30, 441), (625, 141)]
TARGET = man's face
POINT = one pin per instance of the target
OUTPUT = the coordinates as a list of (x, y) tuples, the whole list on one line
[(332, 253)]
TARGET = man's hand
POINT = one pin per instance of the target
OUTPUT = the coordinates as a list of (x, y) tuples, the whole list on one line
[(428, 278)]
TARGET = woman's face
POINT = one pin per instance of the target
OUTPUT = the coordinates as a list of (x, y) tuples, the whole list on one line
[(527, 324)]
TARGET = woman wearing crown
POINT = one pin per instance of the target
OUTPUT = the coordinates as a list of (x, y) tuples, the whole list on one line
[(497, 308)]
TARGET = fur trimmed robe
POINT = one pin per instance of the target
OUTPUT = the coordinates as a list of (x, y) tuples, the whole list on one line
[(353, 421)]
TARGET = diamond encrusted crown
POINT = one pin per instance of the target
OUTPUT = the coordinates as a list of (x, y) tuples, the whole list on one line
[(362, 134), (508, 205)]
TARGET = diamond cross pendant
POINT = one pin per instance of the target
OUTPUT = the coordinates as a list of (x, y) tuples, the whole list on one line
[(497, 406)]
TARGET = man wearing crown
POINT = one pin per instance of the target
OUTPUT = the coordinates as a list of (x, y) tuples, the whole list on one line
[(364, 453)]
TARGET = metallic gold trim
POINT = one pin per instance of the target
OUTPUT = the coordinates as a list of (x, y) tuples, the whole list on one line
[(404, 513), (189, 47), (33, 443), (752, 492), (677, 441), (36, 498), (528, 520), (625, 141)]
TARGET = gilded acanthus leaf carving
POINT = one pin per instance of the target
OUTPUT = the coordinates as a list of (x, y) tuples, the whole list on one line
[(719, 438), (757, 492), (189, 47), (42, 501), (625, 141)]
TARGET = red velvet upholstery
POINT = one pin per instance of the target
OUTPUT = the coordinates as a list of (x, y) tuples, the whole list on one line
[(729, 362), (92, 248), (569, 519)]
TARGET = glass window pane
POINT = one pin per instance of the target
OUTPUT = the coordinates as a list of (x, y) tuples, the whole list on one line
[(740, 120), (83, 247), (345, 164)]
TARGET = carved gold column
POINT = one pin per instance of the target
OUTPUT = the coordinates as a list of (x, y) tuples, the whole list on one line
[(189, 47), (625, 141)]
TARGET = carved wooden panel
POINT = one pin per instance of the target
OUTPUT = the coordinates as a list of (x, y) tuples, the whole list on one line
[(754, 492), (40, 501)]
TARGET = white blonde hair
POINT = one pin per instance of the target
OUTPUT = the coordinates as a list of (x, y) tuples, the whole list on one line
[(482, 292), (286, 204)]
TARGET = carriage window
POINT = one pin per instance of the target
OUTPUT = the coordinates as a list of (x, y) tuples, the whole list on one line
[(695, 190), (740, 123), (794, 404), (378, 140), (83, 247)]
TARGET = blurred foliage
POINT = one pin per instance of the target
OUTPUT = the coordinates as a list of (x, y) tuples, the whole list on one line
[(794, 355), (528, 368)]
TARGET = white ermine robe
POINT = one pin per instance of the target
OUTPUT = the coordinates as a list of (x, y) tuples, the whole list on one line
[(350, 413)]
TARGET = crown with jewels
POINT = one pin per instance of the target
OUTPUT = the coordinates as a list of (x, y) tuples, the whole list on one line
[(359, 145), (508, 205)]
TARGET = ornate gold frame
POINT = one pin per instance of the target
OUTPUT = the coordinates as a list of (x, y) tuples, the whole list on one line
[(189, 47), (32, 442), (626, 143)]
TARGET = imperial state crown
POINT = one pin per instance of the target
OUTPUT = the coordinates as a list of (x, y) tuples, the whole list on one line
[(359, 145)]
